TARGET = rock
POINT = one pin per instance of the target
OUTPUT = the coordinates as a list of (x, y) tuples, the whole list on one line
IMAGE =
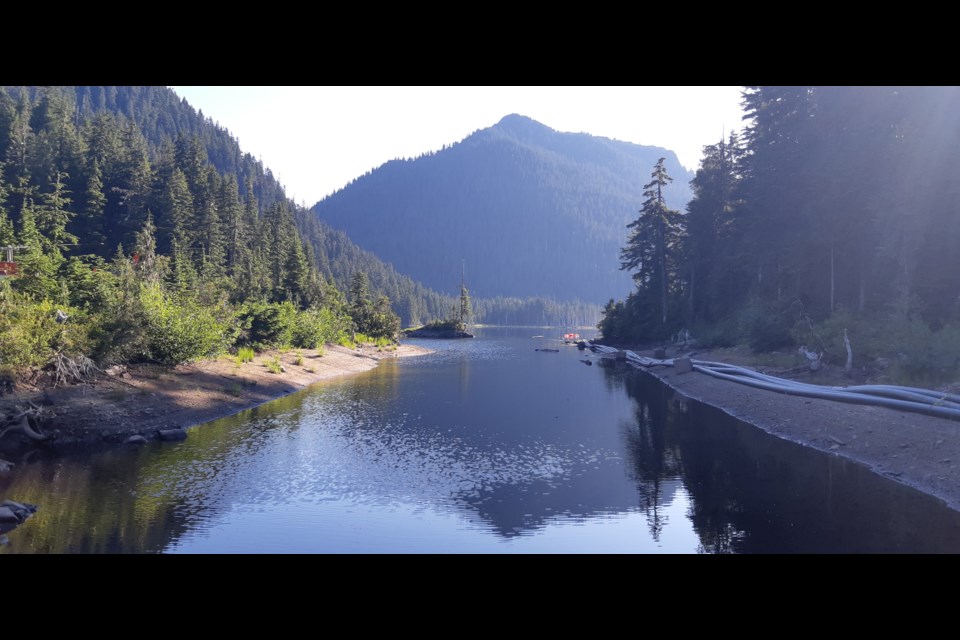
[(15, 513), (5, 465), (683, 365), (171, 435), (115, 370), (660, 353), (136, 439)]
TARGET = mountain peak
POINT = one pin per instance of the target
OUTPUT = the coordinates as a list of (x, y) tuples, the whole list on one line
[(521, 126)]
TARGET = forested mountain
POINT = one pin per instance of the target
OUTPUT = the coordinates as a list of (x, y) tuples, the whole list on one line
[(107, 158), (141, 248), (529, 210), (123, 151), (836, 210)]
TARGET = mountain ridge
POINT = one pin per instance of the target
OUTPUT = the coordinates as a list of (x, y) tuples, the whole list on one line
[(556, 193)]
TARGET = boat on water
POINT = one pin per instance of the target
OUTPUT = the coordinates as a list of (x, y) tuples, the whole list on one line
[(571, 338)]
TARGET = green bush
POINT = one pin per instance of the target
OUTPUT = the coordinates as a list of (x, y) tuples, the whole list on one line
[(767, 326), (30, 334), (725, 333), (926, 356), (179, 333), (315, 327), (265, 325), (376, 318)]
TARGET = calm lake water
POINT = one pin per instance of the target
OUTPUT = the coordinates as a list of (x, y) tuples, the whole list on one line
[(485, 446)]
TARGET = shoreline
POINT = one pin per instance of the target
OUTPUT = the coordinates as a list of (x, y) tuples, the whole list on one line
[(143, 400), (914, 449)]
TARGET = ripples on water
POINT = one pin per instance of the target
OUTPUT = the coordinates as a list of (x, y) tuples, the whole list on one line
[(483, 446)]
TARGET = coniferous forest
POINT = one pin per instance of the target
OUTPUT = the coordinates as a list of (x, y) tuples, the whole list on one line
[(834, 211), (141, 221), (141, 233)]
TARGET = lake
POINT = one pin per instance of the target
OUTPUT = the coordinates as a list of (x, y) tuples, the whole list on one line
[(484, 446)]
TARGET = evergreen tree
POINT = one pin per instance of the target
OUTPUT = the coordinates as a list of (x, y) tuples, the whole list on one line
[(466, 311), (653, 240), (53, 216), (7, 236), (89, 223), (37, 267), (148, 264), (359, 296), (711, 239)]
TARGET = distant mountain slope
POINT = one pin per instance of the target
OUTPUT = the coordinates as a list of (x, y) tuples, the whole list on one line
[(529, 210)]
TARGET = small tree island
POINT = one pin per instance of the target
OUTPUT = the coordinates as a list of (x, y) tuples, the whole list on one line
[(453, 327)]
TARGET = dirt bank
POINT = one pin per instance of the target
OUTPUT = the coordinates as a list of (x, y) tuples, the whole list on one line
[(915, 449), (144, 399)]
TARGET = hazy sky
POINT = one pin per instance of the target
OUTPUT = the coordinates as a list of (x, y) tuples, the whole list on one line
[(318, 139)]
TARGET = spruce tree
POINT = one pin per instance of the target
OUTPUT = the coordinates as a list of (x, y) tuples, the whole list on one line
[(653, 240)]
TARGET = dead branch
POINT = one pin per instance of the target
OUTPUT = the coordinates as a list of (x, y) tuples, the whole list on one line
[(72, 370), (815, 359), (846, 342)]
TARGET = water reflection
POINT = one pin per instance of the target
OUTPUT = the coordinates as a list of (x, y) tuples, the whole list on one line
[(485, 446), (754, 493)]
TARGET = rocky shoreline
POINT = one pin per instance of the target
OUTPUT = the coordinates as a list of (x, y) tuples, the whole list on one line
[(141, 403)]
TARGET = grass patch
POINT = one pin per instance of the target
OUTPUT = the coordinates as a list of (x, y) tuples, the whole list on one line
[(244, 354), (298, 358), (273, 365)]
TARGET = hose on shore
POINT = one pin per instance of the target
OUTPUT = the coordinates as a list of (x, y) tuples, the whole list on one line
[(927, 401)]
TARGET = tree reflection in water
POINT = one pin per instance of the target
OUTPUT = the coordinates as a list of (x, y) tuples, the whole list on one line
[(751, 492)]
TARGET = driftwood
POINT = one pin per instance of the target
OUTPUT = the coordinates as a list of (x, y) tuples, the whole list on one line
[(846, 343), (20, 423), (814, 358)]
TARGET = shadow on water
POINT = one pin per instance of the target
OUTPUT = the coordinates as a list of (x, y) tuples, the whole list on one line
[(755, 493), (484, 446)]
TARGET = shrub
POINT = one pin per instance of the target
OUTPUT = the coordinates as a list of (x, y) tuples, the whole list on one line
[(725, 333), (30, 334), (178, 333), (265, 325), (926, 356), (316, 327), (767, 325)]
